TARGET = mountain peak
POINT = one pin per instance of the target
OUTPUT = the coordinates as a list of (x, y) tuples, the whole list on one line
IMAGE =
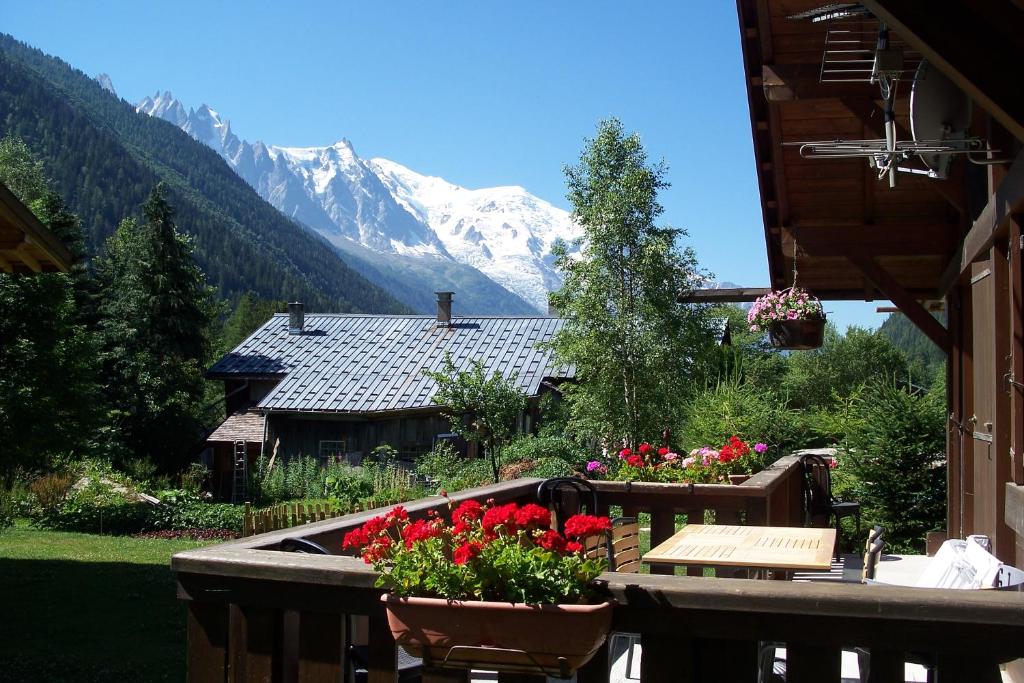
[(106, 83)]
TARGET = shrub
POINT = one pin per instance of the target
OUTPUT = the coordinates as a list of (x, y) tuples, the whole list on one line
[(895, 462), (540, 448), (50, 489), (444, 468), (7, 508), (139, 469), (548, 468), (194, 477), (96, 508), (180, 509), (734, 408)]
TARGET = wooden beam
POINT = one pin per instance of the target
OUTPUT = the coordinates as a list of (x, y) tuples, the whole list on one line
[(28, 259), (6, 265), (871, 116), (1007, 200), (792, 82), (722, 296), (910, 307), (877, 240), (973, 42)]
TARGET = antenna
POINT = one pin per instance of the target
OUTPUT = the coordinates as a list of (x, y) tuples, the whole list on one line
[(861, 49)]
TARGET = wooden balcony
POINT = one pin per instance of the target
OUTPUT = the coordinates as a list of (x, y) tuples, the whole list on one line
[(258, 614)]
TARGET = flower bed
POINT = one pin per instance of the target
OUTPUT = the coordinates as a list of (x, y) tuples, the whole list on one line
[(704, 465)]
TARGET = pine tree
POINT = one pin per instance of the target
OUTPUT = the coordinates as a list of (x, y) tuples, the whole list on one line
[(155, 314), (49, 399), (635, 349)]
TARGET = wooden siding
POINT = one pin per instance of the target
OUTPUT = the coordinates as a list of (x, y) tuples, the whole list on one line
[(301, 434)]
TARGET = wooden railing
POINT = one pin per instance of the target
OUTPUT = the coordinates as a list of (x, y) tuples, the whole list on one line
[(255, 613)]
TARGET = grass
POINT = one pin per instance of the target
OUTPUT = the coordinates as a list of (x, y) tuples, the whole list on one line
[(83, 607)]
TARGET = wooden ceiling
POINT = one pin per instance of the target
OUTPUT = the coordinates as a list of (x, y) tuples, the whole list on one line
[(843, 224), (26, 245)]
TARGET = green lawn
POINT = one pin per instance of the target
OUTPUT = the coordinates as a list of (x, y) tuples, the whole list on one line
[(81, 607)]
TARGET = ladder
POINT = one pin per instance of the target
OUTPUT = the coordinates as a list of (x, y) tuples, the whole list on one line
[(240, 483)]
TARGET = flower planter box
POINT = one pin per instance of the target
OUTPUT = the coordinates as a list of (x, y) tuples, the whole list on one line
[(797, 334), (554, 640)]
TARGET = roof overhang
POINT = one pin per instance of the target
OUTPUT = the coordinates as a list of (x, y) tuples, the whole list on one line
[(830, 224), (26, 245)]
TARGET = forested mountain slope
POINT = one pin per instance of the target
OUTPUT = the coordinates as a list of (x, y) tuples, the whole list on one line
[(104, 158), (921, 352)]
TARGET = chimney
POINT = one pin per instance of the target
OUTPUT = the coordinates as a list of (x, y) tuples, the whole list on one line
[(296, 318), (444, 308)]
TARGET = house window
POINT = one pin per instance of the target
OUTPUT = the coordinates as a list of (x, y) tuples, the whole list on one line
[(331, 451)]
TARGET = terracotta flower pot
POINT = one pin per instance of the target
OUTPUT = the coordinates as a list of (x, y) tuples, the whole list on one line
[(797, 334), (738, 479), (502, 636)]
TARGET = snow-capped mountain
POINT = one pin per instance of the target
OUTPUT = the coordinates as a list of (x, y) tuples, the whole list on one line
[(505, 233), (106, 83)]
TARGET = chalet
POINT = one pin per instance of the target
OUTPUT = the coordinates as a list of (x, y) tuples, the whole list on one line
[(337, 386)]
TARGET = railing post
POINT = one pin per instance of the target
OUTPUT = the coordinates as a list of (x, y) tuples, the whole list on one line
[(663, 525), (320, 647), (383, 654), (812, 663), (666, 659), (207, 642), (252, 644)]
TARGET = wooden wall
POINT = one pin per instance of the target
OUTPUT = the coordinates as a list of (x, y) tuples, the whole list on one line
[(986, 400), (302, 434)]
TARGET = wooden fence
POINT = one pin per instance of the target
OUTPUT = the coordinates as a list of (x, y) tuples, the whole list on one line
[(285, 516)]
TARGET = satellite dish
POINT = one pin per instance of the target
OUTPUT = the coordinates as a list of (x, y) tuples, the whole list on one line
[(939, 110)]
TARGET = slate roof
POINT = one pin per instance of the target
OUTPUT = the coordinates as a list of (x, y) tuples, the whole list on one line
[(241, 426), (375, 363)]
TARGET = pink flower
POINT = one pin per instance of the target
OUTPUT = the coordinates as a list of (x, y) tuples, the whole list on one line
[(760, 447), (686, 462), (593, 466)]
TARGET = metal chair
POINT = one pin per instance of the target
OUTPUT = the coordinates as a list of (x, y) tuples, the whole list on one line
[(818, 498), (567, 496), (410, 669)]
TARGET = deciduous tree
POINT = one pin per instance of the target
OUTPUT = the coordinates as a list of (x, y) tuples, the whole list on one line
[(482, 409), (635, 349)]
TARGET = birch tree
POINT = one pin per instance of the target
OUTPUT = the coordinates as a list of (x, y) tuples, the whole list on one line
[(636, 350)]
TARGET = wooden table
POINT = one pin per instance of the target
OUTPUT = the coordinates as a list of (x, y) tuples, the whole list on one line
[(747, 547)]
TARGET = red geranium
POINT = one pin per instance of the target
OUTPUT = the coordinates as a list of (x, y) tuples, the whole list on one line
[(635, 461), (625, 453), (355, 539), (533, 516), (421, 530), (480, 553), (645, 448), (551, 540), (466, 552), (663, 450), (467, 510), (581, 526), (503, 516)]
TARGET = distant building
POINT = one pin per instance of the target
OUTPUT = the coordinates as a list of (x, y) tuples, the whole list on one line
[(337, 386)]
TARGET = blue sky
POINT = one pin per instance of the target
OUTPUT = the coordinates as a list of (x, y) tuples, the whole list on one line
[(479, 93)]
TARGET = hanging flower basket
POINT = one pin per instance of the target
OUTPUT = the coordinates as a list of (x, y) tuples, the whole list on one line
[(797, 334), (793, 319)]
